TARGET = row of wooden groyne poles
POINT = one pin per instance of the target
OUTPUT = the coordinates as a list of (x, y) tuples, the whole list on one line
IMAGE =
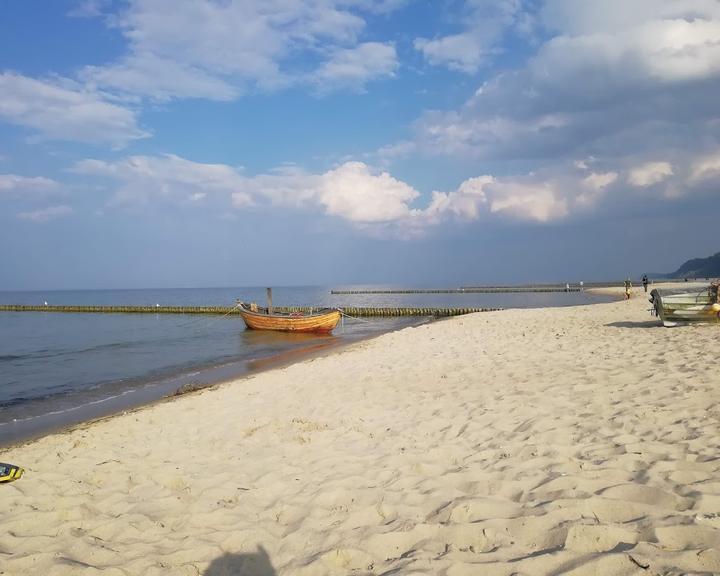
[(229, 311), (356, 311)]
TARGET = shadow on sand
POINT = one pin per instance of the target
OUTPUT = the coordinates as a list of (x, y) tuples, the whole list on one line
[(629, 324), (257, 564)]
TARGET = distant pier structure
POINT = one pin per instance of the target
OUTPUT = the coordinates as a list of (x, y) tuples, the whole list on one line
[(567, 287)]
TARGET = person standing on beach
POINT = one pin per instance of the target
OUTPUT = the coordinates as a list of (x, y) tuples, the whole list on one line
[(628, 286), (645, 281)]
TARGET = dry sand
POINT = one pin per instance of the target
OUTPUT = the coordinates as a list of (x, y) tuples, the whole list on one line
[(553, 441)]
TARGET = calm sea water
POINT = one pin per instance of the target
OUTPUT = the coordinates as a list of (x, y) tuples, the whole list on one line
[(60, 368)]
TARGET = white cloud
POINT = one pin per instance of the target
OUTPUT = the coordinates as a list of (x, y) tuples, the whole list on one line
[(464, 52), (60, 110), (353, 192), (356, 66), (612, 78), (484, 23), (370, 198), (464, 203), (46, 214), (217, 50), (169, 79), (285, 186), (659, 50), (585, 163), (650, 173), (146, 178), (525, 198), (529, 201), (577, 18), (598, 181), (15, 183), (592, 187), (385, 155), (705, 168), (469, 134)]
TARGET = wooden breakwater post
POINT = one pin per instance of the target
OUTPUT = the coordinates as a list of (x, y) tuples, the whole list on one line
[(351, 311)]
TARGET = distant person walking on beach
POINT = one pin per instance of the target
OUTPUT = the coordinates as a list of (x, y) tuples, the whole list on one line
[(645, 282), (628, 286)]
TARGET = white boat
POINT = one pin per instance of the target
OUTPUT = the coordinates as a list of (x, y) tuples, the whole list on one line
[(675, 306)]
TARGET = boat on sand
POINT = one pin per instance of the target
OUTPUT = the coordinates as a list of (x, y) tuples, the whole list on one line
[(675, 306), (322, 321)]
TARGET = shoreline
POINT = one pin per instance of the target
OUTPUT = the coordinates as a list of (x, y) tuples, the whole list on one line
[(165, 389), (174, 388), (569, 440), (155, 390)]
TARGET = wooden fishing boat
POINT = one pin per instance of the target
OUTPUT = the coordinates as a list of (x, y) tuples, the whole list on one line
[(674, 306), (321, 321)]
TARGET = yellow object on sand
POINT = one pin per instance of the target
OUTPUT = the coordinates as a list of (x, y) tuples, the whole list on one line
[(10, 472)]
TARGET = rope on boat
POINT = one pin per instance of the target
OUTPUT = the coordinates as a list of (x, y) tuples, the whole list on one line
[(343, 316), (211, 322)]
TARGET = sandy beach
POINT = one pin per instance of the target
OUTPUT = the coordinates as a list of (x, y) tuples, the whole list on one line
[(579, 440)]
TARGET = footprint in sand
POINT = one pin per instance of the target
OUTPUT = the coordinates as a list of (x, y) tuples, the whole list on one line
[(476, 509), (589, 539), (648, 495)]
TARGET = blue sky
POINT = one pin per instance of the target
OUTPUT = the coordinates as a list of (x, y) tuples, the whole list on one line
[(158, 143)]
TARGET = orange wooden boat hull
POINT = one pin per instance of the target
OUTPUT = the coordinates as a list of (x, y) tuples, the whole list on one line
[(323, 323)]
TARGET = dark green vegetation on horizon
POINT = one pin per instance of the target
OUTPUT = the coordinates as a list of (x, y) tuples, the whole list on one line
[(699, 268)]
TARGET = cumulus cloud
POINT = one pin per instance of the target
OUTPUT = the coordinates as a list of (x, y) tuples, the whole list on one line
[(353, 192), (525, 198), (375, 200), (63, 110), (650, 173), (539, 202), (464, 203), (46, 214), (217, 50), (610, 79)]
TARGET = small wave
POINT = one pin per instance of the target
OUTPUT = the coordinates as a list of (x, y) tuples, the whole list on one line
[(67, 410), (14, 401), (10, 357)]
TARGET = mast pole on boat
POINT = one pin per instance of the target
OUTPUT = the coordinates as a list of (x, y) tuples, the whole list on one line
[(269, 301)]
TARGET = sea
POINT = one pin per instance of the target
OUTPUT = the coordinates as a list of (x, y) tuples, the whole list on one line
[(59, 369)]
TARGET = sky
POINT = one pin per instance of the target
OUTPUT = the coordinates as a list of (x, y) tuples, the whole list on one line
[(207, 143)]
